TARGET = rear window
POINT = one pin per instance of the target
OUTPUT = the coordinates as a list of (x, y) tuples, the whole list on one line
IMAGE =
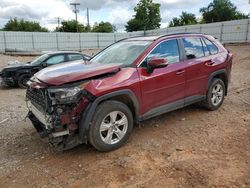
[(193, 48), (213, 49)]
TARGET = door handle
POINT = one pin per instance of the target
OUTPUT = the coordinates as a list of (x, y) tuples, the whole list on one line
[(180, 72), (209, 63)]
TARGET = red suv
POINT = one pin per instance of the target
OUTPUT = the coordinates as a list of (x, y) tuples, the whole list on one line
[(128, 82)]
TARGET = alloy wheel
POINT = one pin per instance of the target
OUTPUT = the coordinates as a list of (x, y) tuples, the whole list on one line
[(217, 94), (113, 127)]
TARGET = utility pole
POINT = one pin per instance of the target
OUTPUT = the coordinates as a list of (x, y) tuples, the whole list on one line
[(58, 22), (88, 17), (75, 10)]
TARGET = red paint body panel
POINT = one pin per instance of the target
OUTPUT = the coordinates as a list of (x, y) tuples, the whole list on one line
[(163, 86), (127, 78), (199, 70)]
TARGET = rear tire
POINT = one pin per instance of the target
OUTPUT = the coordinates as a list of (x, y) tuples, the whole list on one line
[(22, 81), (215, 95), (111, 126)]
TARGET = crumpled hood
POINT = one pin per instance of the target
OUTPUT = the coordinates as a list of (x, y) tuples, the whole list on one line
[(74, 71)]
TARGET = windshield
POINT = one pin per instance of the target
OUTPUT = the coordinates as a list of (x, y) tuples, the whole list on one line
[(40, 59), (125, 52)]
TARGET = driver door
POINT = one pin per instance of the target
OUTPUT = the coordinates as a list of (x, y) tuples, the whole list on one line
[(163, 90)]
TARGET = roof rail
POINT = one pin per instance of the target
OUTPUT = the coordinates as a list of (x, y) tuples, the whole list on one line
[(129, 38), (170, 34), (161, 36)]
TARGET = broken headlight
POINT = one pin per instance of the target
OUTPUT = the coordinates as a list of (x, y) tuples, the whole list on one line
[(65, 94)]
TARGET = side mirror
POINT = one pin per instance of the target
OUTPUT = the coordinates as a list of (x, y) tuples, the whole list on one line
[(156, 63), (44, 64)]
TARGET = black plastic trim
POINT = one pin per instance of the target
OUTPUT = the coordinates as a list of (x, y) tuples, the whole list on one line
[(163, 109), (214, 74), (193, 99), (172, 106), (181, 49)]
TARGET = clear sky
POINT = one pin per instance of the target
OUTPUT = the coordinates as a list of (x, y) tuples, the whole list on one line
[(118, 12)]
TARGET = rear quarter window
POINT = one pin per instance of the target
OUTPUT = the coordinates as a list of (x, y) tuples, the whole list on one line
[(213, 49)]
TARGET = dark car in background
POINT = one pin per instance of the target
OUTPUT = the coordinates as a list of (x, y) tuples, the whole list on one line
[(18, 74)]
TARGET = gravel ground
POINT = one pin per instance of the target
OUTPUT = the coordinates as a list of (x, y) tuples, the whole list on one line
[(190, 147)]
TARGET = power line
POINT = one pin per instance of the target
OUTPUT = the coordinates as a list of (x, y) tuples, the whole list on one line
[(75, 10)]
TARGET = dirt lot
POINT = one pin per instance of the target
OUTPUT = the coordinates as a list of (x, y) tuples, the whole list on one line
[(190, 147)]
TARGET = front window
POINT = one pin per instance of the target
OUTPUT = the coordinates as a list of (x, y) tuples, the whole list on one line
[(125, 52), (168, 50), (40, 59), (55, 59)]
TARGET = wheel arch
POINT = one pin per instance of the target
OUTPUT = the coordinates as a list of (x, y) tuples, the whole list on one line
[(125, 96), (22, 72), (221, 74)]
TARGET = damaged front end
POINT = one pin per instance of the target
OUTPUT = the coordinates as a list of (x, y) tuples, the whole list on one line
[(55, 112)]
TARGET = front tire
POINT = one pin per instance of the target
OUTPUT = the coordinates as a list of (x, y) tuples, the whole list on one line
[(111, 126), (22, 81), (215, 94)]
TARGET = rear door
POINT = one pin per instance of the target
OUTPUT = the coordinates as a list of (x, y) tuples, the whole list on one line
[(201, 61), (196, 75), (164, 85)]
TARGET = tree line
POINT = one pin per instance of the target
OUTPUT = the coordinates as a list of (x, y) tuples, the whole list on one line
[(147, 17), (217, 11), (66, 26)]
